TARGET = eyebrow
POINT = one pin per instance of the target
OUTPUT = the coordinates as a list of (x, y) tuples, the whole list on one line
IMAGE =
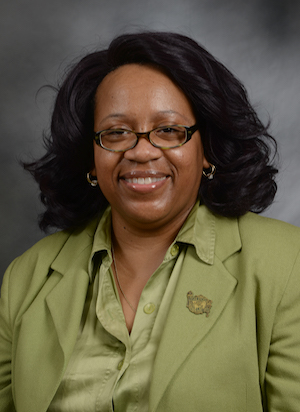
[(123, 115)]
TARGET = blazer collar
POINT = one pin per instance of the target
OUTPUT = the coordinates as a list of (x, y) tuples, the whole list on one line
[(184, 329), (79, 242), (48, 330), (68, 296)]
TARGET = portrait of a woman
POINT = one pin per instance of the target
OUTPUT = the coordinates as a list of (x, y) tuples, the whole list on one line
[(162, 289)]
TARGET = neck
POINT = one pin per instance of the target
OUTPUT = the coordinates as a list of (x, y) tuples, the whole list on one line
[(129, 236), (141, 247), (138, 253)]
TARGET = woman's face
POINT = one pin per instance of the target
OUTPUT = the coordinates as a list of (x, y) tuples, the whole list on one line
[(141, 98)]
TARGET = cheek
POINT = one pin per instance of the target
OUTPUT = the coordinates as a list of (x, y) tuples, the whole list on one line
[(190, 160), (105, 181), (101, 169), (103, 161), (106, 169), (192, 166)]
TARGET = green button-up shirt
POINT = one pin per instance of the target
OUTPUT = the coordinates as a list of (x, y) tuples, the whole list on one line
[(109, 369)]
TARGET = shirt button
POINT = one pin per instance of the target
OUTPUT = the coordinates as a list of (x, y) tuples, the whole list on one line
[(149, 308), (174, 250), (120, 364)]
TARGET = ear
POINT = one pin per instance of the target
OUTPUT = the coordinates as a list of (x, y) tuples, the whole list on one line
[(206, 164), (93, 172)]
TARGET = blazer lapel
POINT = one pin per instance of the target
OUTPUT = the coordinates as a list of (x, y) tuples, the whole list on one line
[(49, 328), (184, 329)]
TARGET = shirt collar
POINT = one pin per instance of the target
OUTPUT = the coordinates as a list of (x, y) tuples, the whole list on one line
[(102, 240), (198, 230)]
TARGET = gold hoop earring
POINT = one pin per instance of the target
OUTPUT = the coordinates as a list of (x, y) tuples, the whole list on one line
[(93, 182), (210, 175)]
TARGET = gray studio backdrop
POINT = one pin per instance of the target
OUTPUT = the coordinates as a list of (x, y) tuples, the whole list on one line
[(258, 40)]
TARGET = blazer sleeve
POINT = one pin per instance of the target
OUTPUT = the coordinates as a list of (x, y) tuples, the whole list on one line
[(283, 368), (6, 399)]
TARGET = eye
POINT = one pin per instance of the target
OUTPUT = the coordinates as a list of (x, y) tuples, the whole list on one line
[(170, 132), (116, 134), (167, 130), (115, 131)]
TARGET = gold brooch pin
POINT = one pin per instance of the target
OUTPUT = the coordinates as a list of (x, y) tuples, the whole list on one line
[(198, 304)]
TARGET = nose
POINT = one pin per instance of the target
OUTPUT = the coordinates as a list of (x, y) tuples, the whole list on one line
[(144, 151)]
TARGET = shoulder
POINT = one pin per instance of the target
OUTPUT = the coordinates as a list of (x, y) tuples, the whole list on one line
[(42, 253), (35, 264), (256, 232), (270, 255), (49, 247), (265, 248), (268, 235), (256, 235), (30, 272)]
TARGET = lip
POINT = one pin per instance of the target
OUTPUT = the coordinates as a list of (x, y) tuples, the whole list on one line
[(144, 181), (142, 173)]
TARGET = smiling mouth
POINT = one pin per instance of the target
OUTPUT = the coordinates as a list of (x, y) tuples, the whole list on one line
[(145, 180)]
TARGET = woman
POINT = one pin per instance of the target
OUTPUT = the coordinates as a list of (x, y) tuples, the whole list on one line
[(162, 292)]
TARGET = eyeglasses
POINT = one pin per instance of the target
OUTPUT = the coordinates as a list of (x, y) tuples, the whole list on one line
[(165, 137)]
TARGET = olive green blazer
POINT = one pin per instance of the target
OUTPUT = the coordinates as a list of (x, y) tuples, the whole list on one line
[(243, 356)]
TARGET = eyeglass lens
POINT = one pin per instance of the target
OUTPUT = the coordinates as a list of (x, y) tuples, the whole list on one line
[(167, 136)]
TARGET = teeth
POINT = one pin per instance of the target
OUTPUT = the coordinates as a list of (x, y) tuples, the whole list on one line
[(145, 181)]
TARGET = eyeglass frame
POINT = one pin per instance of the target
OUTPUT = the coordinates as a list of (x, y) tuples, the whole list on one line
[(189, 131)]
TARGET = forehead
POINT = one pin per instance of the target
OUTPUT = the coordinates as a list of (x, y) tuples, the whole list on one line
[(134, 87), (136, 74)]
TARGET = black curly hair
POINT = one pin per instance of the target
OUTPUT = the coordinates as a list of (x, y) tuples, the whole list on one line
[(233, 137)]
